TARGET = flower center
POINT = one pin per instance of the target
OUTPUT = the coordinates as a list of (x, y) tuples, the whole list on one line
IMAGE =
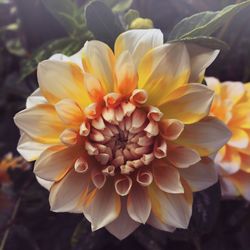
[(123, 138)]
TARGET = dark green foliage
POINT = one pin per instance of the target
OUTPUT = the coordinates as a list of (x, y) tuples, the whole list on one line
[(102, 22)]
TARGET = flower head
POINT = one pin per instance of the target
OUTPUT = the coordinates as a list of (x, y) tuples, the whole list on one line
[(124, 137), (232, 105)]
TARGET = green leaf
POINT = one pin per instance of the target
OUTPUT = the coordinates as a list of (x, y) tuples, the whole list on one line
[(205, 23), (65, 11), (205, 41), (122, 6), (102, 22)]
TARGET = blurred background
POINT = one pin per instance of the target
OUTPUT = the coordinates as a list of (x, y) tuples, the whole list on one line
[(33, 30)]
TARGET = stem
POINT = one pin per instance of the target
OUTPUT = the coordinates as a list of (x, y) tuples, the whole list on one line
[(13, 215)]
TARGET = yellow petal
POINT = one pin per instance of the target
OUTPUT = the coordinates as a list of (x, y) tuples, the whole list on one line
[(241, 116), (232, 91), (239, 138), (70, 113), (138, 42), (62, 80), (94, 88), (126, 74), (162, 70), (245, 162), (246, 150), (214, 84), (98, 60), (189, 103), (241, 181), (41, 123), (231, 161)]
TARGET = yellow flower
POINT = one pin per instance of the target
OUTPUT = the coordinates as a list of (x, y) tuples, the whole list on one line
[(8, 161), (123, 137), (232, 105)]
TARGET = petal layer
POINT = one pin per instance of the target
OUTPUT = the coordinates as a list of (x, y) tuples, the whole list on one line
[(102, 207), (98, 60), (68, 194), (62, 80), (162, 70), (123, 226), (201, 175), (41, 123), (206, 136), (56, 161), (138, 42), (171, 209), (188, 104)]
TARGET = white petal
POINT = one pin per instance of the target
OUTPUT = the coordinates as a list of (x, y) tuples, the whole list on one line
[(44, 183), (138, 204), (206, 136), (138, 42), (40, 123), (228, 189), (35, 98), (55, 162), (182, 157), (123, 226), (172, 209), (67, 194), (200, 59), (103, 207), (167, 178), (30, 149), (201, 175), (154, 222)]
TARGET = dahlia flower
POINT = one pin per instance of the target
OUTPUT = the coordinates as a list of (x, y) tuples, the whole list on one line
[(124, 137), (232, 105)]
